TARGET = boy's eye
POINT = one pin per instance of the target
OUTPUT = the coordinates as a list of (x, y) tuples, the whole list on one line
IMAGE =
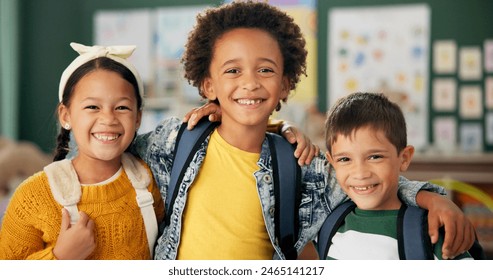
[(343, 159), (375, 157), (122, 108), (91, 107)]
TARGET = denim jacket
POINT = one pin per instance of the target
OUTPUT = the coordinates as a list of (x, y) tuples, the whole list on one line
[(320, 191)]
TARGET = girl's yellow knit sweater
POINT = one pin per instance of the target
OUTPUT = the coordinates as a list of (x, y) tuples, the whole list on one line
[(32, 221)]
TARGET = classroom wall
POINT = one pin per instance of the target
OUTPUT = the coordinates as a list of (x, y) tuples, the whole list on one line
[(47, 27), (467, 22)]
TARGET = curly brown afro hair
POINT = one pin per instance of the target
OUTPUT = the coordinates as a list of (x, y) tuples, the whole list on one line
[(214, 22)]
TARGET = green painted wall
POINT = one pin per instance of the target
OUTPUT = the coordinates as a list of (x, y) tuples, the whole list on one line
[(46, 29)]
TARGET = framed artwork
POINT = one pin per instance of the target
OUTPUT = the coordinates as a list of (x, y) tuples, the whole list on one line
[(444, 94), (488, 55), (444, 134), (444, 57), (470, 63), (471, 104), (471, 137), (488, 92)]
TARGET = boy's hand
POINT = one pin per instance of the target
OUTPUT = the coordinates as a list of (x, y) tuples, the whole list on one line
[(305, 150), (75, 242), (459, 232), (209, 109)]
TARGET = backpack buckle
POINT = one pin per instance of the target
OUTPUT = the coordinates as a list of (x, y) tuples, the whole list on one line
[(145, 199)]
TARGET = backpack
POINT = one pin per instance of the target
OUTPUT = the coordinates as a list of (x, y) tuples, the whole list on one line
[(66, 190), (412, 233), (286, 178)]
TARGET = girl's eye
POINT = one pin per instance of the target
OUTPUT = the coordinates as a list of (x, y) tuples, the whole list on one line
[(122, 108), (91, 107)]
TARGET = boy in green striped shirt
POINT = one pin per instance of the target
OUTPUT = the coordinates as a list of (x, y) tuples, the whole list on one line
[(367, 146)]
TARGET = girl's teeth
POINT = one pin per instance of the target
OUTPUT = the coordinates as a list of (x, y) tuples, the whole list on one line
[(106, 137)]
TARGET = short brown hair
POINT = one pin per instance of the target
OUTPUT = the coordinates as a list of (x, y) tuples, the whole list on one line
[(357, 110)]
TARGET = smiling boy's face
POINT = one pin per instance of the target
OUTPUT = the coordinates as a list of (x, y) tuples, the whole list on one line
[(368, 166), (246, 76)]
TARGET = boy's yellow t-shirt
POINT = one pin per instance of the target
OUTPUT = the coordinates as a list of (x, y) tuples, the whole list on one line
[(223, 216)]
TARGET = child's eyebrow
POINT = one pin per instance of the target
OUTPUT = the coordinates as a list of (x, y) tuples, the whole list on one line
[(236, 60)]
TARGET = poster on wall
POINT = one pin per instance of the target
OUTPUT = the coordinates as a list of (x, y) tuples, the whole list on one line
[(131, 27), (444, 56), (172, 27), (383, 49), (470, 63), (471, 103), (444, 94), (444, 134), (488, 55)]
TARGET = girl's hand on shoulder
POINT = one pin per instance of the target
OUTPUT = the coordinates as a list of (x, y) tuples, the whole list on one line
[(209, 109), (305, 149), (75, 242)]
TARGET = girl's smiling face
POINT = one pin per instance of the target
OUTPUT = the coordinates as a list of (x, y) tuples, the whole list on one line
[(103, 114)]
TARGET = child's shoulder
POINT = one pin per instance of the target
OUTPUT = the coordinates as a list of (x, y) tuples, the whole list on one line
[(35, 187)]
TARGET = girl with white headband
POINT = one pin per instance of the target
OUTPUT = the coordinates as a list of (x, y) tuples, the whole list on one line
[(103, 203)]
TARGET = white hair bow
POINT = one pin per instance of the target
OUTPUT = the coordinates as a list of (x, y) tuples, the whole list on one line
[(88, 53)]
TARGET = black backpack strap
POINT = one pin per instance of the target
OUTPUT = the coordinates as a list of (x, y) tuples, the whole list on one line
[(412, 234), (477, 251), (187, 144), (330, 227), (287, 181)]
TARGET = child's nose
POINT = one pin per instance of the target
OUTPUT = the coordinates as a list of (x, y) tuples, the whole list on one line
[(249, 82), (360, 171), (108, 117)]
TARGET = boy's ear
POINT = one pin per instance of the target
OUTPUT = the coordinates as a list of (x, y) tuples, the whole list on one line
[(329, 158), (208, 89), (406, 156)]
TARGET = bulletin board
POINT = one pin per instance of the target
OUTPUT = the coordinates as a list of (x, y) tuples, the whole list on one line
[(457, 106)]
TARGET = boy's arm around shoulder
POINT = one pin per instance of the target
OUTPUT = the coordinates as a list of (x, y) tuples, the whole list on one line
[(408, 190), (321, 194)]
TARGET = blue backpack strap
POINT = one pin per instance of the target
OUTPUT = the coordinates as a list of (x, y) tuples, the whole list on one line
[(330, 227), (187, 144), (413, 238), (287, 181), (412, 234)]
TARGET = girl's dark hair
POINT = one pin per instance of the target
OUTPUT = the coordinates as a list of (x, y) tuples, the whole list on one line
[(214, 22), (100, 63), (358, 110)]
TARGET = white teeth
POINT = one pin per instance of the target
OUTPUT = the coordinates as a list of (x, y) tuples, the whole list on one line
[(105, 137), (360, 188), (249, 101)]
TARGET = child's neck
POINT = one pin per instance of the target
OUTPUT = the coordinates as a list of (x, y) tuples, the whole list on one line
[(246, 138), (92, 171)]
